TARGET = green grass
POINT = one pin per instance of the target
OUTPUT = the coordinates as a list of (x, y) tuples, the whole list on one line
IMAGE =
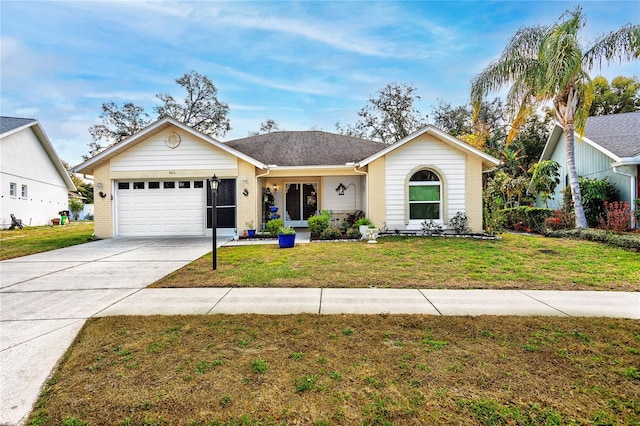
[(515, 261), (448, 370), (31, 240)]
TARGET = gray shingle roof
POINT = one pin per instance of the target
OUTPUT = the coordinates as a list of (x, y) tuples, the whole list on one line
[(9, 123), (618, 133), (307, 148)]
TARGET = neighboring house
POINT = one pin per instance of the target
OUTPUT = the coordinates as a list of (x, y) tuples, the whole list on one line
[(35, 185), (156, 181), (609, 149)]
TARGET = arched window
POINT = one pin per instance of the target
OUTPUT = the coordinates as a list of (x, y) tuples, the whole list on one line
[(425, 196)]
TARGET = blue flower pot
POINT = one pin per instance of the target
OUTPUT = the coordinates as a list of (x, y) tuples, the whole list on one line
[(286, 240), (251, 233)]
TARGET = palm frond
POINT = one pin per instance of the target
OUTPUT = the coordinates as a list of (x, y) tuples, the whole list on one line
[(623, 44), (587, 89)]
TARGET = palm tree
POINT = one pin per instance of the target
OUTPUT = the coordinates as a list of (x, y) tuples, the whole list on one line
[(548, 63)]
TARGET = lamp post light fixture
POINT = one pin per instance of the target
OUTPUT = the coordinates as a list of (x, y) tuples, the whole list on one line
[(213, 183)]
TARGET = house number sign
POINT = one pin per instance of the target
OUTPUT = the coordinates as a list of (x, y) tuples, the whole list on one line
[(172, 140)]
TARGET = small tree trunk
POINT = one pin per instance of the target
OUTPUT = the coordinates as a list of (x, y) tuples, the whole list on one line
[(569, 146)]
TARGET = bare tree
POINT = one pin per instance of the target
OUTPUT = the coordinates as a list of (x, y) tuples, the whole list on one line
[(200, 109), (118, 122), (388, 117)]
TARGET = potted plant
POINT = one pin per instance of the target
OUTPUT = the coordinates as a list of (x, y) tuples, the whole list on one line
[(286, 237), (251, 230), (363, 225)]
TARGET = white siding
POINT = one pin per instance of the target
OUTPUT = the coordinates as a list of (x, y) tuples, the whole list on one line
[(24, 161), (424, 151), (192, 154)]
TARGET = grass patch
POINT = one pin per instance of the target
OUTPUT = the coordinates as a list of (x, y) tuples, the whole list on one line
[(449, 370), (31, 240), (514, 262)]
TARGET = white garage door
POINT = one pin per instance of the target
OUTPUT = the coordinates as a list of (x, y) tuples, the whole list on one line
[(156, 208)]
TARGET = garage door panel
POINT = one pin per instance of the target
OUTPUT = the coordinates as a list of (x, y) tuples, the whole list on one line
[(160, 211)]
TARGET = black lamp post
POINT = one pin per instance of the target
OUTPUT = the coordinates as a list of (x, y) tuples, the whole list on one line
[(214, 182)]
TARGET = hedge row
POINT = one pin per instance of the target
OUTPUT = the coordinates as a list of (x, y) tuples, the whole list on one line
[(527, 219), (629, 241)]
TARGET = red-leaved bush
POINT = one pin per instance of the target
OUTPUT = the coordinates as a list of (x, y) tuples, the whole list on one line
[(617, 217)]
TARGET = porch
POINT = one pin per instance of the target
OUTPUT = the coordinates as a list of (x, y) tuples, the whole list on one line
[(296, 198)]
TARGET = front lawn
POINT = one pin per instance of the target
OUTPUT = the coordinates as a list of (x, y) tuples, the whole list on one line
[(31, 240), (513, 262), (346, 370)]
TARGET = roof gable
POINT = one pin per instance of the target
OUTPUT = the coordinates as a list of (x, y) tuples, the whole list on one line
[(487, 160), (9, 124), (617, 136), (116, 149), (12, 125), (306, 148)]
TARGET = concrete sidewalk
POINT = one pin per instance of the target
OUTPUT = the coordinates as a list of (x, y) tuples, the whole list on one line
[(324, 301), (46, 298)]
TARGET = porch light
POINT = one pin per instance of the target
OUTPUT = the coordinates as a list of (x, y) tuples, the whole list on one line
[(275, 187), (213, 183)]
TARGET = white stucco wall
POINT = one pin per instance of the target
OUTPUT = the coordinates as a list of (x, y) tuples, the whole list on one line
[(24, 161)]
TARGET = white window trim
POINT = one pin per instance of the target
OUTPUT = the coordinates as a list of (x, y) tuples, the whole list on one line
[(416, 223), (13, 190), (427, 183), (24, 191)]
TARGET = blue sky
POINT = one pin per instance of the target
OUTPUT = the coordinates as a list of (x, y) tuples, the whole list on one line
[(304, 64)]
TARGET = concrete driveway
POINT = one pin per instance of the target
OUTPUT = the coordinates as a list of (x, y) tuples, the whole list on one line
[(46, 298)]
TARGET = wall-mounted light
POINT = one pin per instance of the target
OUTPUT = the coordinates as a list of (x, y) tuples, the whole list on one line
[(99, 185), (102, 194), (275, 187), (340, 189)]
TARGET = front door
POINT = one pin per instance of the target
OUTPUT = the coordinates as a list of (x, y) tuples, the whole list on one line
[(301, 202)]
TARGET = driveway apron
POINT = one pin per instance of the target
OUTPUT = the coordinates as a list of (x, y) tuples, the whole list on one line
[(45, 299)]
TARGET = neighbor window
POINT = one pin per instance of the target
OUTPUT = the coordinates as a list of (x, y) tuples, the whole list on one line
[(13, 189), (425, 198), (24, 191)]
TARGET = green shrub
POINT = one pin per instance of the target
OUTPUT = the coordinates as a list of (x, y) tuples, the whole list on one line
[(317, 224), (363, 221), (274, 225), (459, 223), (629, 241), (594, 193), (527, 219), (331, 233), (354, 233)]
